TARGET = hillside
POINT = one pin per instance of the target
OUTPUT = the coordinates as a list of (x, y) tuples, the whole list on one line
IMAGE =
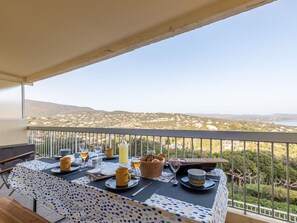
[(47, 109), (50, 114)]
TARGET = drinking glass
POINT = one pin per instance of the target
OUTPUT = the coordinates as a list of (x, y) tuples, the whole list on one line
[(174, 166), (97, 150), (135, 162), (84, 154)]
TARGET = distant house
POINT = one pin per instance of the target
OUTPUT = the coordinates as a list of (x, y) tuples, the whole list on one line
[(212, 128)]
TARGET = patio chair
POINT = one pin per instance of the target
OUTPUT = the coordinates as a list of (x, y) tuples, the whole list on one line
[(12, 155)]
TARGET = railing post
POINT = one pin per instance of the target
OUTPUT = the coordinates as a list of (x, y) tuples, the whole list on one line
[(161, 147), (175, 144), (51, 144), (135, 145), (76, 142), (32, 136), (140, 145)]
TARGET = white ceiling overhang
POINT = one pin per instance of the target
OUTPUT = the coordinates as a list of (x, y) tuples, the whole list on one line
[(41, 39)]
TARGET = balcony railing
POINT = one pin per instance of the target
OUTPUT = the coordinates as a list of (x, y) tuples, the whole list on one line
[(255, 184)]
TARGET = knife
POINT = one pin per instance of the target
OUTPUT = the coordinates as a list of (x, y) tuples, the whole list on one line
[(213, 179), (74, 172), (141, 189)]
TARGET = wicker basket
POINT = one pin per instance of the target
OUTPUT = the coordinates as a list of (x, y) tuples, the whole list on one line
[(151, 170)]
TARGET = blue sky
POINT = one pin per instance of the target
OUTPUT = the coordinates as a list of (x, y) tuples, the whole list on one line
[(246, 64)]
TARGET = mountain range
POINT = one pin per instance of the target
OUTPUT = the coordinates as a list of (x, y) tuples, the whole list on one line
[(48, 109), (52, 114)]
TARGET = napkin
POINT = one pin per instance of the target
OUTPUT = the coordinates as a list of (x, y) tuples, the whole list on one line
[(107, 169)]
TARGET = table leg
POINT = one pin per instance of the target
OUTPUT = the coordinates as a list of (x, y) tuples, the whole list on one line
[(11, 192), (34, 205), (60, 220)]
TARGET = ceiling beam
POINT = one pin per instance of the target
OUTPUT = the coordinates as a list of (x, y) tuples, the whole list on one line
[(217, 11), (11, 77)]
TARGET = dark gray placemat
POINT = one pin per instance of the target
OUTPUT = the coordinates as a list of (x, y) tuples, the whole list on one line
[(142, 196), (70, 176), (113, 160), (49, 160), (179, 192)]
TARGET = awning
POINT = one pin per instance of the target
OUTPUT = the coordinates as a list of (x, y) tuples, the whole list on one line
[(40, 39)]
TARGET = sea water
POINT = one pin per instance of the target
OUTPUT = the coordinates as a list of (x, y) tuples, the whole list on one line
[(287, 123)]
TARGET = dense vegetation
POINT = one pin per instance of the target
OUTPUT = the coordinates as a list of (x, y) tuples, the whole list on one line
[(265, 196), (264, 166)]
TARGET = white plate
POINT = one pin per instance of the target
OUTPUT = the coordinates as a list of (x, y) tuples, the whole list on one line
[(111, 184), (209, 184), (58, 170)]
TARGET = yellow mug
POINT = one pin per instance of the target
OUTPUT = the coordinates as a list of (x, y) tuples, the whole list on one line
[(122, 176), (65, 164), (109, 152)]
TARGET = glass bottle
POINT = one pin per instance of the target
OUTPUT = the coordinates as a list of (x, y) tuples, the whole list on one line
[(123, 152)]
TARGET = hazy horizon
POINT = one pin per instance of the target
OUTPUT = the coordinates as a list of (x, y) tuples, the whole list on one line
[(241, 65)]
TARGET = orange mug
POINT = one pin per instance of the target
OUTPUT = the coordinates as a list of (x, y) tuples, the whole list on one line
[(122, 176), (65, 164), (109, 152)]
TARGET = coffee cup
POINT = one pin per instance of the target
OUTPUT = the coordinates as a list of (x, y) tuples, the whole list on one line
[(65, 152), (122, 176), (65, 164), (196, 177), (109, 152)]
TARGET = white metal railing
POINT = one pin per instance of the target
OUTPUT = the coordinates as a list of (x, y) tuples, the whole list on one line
[(186, 143), (282, 215)]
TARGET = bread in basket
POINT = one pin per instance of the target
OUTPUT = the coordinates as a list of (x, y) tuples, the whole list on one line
[(152, 166)]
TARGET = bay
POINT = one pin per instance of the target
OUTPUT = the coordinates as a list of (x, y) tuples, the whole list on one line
[(287, 123)]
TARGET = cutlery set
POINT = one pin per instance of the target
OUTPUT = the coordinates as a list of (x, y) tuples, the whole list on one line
[(141, 189)]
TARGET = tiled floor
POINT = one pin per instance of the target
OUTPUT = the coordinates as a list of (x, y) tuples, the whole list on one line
[(42, 210)]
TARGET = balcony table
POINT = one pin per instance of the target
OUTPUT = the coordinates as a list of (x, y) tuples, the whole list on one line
[(79, 200)]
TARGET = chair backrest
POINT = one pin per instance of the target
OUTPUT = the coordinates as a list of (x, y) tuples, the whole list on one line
[(14, 154)]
